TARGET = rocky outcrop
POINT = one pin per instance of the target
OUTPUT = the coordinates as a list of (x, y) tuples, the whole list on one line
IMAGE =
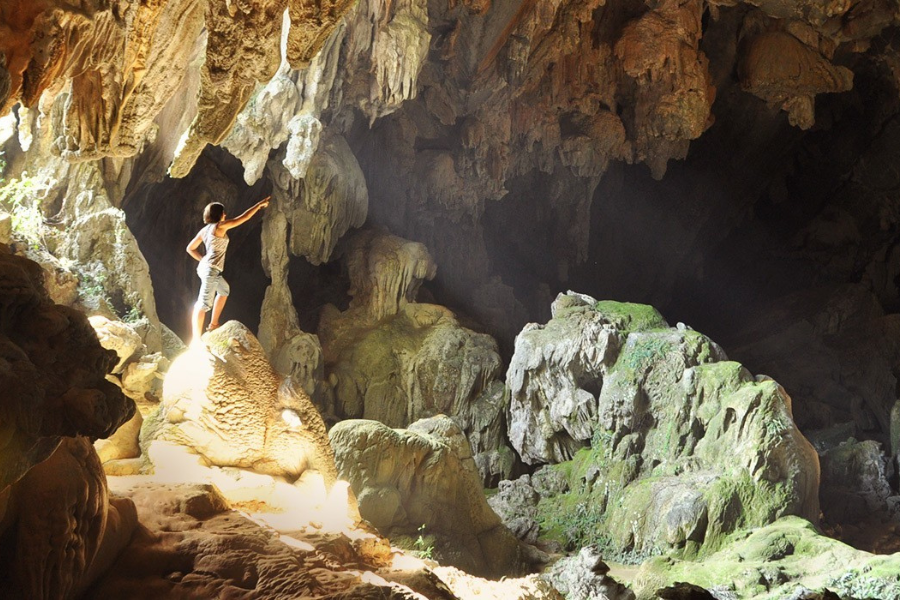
[(140, 372), (216, 552), (394, 360), (674, 436), (787, 559), (407, 482), (839, 343), (854, 485), (557, 372), (59, 526), (76, 232), (584, 577), (55, 381), (68, 530), (223, 402)]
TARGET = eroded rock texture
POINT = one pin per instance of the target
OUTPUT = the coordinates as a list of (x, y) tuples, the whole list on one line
[(394, 360), (59, 526), (676, 437), (55, 379), (114, 66), (404, 480), (223, 402)]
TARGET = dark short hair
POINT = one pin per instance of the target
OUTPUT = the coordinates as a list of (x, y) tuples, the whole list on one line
[(213, 212)]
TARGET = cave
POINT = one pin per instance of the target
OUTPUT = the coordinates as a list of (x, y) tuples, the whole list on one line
[(585, 299)]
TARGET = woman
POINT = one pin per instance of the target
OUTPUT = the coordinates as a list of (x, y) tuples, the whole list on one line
[(215, 240)]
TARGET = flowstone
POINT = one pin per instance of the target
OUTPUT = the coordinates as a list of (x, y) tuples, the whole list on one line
[(395, 360), (411, 483), (224, 403), (679, 447)]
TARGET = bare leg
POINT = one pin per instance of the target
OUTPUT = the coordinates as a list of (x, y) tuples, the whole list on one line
[(198, 317), (218, 305)]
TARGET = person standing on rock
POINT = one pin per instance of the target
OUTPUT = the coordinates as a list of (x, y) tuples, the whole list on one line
[(214, 237)]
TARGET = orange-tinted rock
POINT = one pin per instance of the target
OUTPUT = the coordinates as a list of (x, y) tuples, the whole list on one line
[(783, 71)]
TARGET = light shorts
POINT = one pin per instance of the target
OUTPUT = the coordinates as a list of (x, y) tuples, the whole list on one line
[(211, 284)]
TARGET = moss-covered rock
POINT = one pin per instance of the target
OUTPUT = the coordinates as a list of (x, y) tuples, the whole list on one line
[(773, 562), (679, 446)]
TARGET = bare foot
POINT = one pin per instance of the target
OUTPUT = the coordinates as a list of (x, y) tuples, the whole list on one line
[(212, 326)]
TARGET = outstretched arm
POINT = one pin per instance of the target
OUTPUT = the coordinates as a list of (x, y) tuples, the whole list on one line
[(192, 247), (244, 216)]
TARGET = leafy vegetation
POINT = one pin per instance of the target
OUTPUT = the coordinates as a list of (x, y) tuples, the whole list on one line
[(21, 198), (424, 544)]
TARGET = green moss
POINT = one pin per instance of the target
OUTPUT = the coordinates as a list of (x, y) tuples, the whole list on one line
[(641, 352), (631, 317), (769, 563), (736, 501)]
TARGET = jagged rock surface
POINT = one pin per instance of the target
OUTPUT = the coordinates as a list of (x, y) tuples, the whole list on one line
[(677, 435), (404, 480), (584, 577), (854, 485), (394, 360), (783, 560), (223, 402), (55, 517), (55, 382), (130, 60)]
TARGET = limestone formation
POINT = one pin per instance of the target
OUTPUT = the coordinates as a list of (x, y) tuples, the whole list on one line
[(385, 272), (672, 104), (405, 480), (68, 531), (79, 236), (558, 369), (854, 485), (584, 577), (118, 337), (394, 360), (110, 66), (678, 436), (194, 546), (516, 503), (287, 109), (55, 379), (307, 218), (784, 72), (786, 559), (330, 200), (55, 517), (135, 58), (139, 373), (223, 402)]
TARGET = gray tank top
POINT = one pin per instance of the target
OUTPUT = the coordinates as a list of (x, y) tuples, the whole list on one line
[(215, 247)]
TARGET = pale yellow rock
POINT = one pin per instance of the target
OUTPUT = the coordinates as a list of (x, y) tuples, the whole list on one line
[(224, 403)]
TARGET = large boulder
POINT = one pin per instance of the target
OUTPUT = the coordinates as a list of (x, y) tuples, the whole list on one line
[(58, 527), (68, 530), (53, 378), (678, 445), (409, 482), (854, 484), (224, 403), (584, 576), (395, 360)]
